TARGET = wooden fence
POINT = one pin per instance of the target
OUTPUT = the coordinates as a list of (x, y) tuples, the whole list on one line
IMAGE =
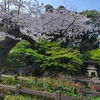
[(18, 89), (56, 96)]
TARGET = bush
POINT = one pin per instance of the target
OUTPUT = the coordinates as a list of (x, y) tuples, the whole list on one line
[(41, 84), (46, 56), (93, 55), (96, 99), (10, 97), (21, 97)]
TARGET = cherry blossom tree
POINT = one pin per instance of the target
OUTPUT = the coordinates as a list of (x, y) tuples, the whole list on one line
[(21, 20)]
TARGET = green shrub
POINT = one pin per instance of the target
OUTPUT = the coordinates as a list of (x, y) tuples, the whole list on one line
[(20, 97), (96, 99), (46, 56), (10, 97), (93, 55), (41, 84)]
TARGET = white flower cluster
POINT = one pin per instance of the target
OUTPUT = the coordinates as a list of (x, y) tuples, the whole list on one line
[(34, 22)]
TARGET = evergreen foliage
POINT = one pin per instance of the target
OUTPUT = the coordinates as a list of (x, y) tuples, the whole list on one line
[(46, 55)]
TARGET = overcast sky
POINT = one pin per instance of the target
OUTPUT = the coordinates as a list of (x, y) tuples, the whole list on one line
[(78, 5)]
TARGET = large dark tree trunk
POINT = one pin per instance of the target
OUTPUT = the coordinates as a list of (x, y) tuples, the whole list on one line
[(5, 46)]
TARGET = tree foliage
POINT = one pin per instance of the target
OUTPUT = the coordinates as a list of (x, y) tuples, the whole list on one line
[(89, 41), (60, 59), (49, 8), (46, 56), (61, 7), (90, 13), (27, 20), (94, 55), (16, 57)]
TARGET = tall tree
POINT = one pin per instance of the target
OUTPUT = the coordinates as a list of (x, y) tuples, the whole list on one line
[(46, 56), (61, 7), (88, 41), (49, 8), (29, 22), (90, 14)]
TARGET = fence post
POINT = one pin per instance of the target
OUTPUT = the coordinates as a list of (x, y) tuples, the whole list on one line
[(58, 95), (80, 92), (15, 77), (18, 87)]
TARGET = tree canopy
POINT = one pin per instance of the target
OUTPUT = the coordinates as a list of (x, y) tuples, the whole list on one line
[(46, 56), (27, 20), (30, 20), (49, 8)]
